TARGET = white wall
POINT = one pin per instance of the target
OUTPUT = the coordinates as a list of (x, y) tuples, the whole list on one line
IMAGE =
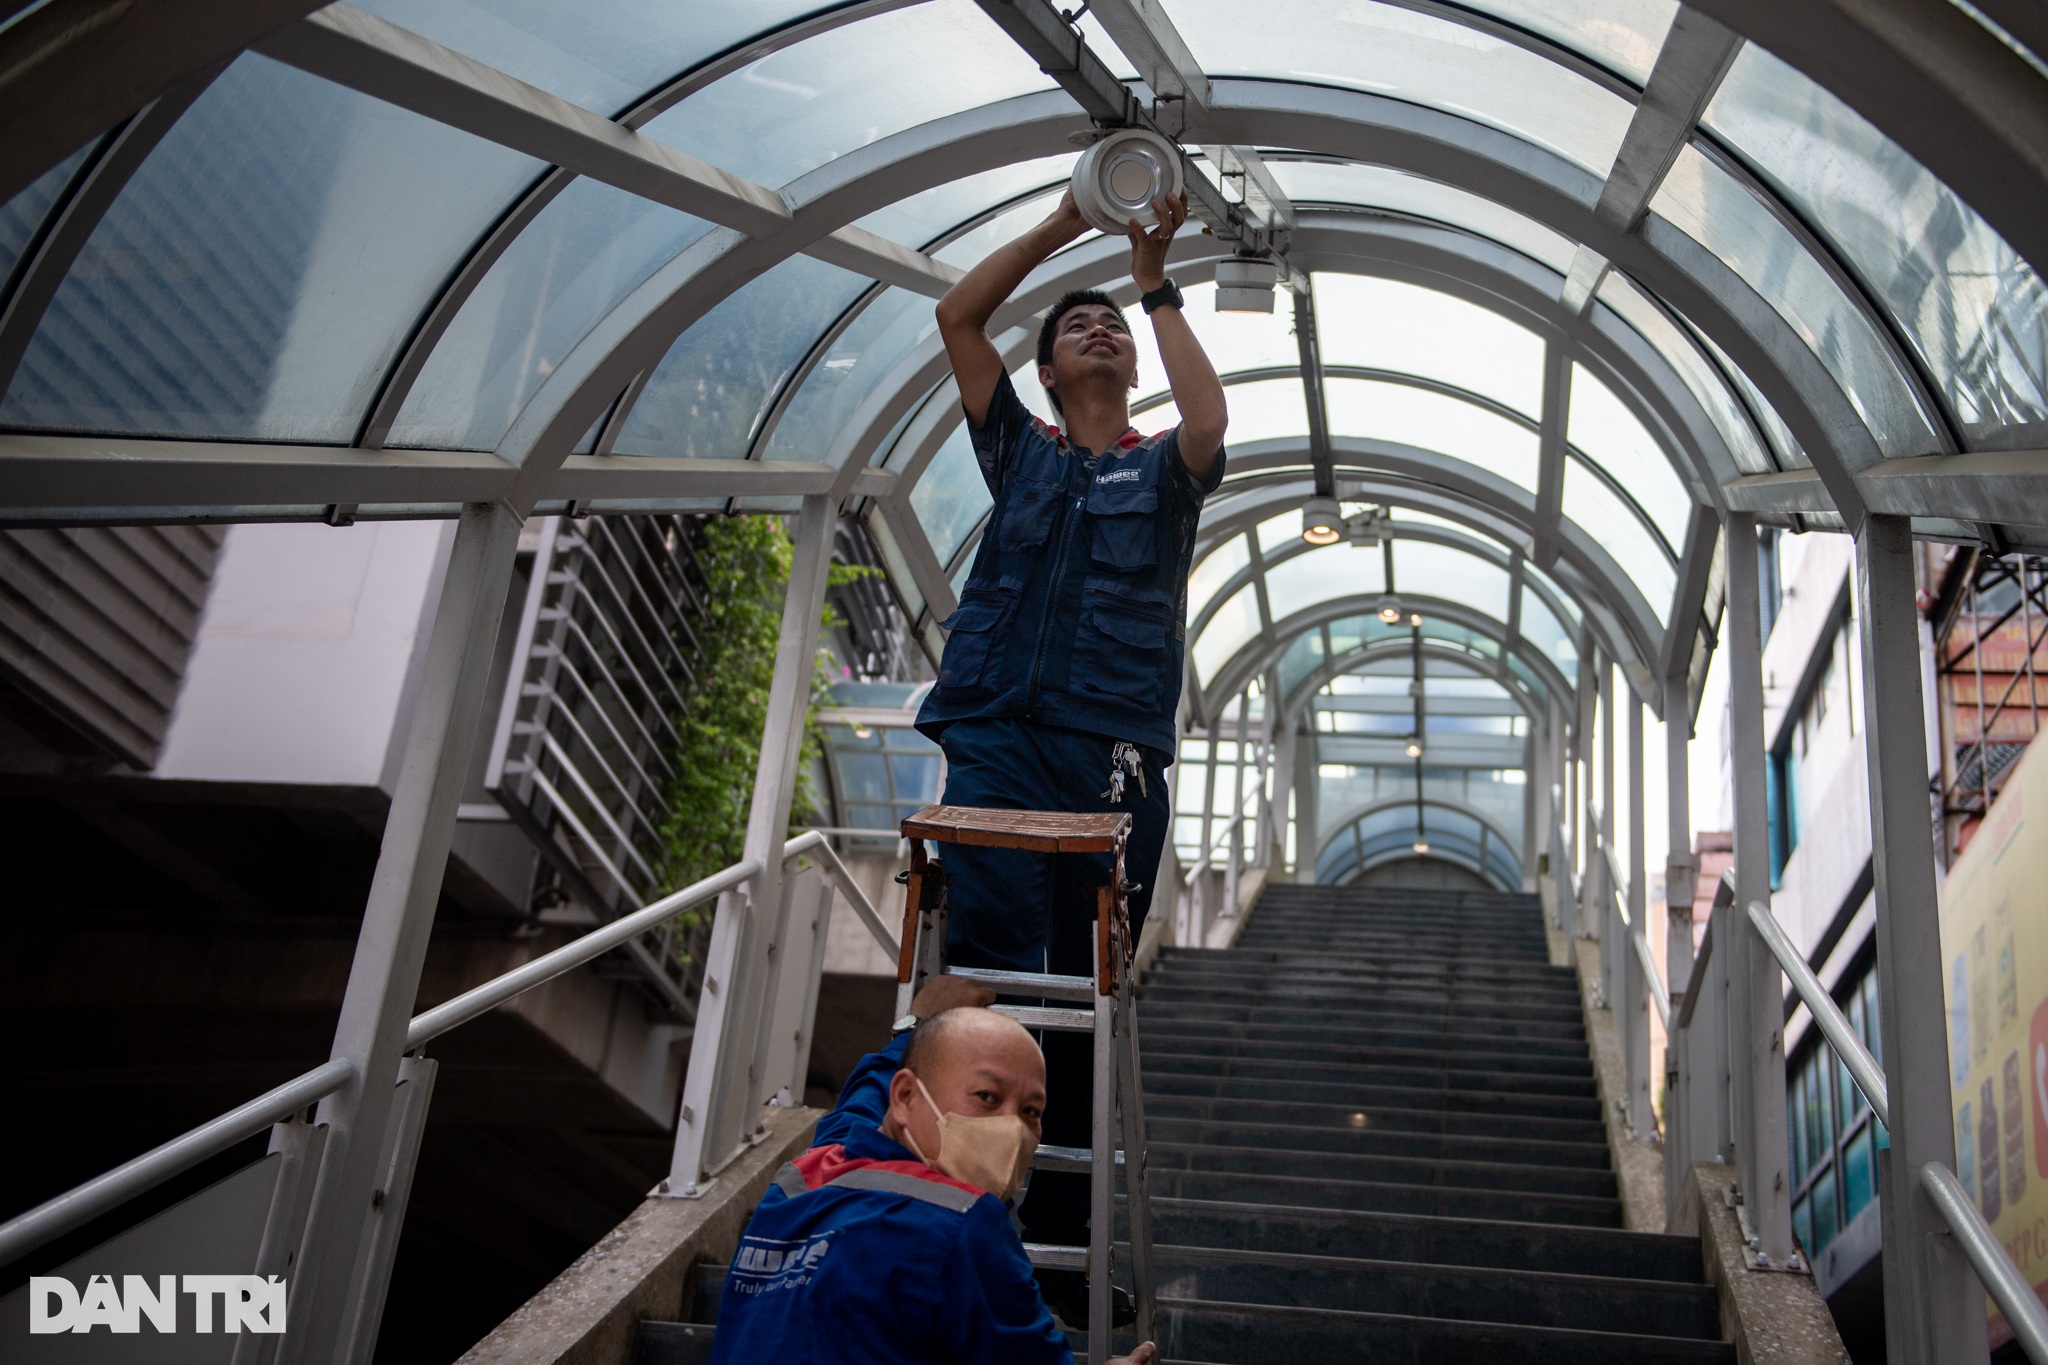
[(307, 654)]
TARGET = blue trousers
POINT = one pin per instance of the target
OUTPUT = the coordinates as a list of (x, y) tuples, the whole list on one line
[(1035, 912)]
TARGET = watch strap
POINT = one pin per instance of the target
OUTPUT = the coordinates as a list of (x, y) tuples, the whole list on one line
[(1165, 294)]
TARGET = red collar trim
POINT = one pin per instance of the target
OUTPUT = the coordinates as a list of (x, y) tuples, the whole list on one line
[(823, 1165)]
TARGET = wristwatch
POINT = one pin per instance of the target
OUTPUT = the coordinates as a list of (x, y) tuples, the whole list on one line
[(907, 1022), (1167, 294)]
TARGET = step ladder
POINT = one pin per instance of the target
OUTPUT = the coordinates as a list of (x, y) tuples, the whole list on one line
[(1103, 1005)]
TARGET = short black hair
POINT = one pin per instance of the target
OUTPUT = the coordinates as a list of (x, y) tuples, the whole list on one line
[(1049, 329)]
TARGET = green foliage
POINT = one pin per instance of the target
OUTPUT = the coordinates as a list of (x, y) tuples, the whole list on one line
[(746, 563)]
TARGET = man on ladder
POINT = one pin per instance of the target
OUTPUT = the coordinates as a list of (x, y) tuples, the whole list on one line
[(1063, 664)]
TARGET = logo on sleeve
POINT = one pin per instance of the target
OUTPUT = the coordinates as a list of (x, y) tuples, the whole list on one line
[(763, 1265)]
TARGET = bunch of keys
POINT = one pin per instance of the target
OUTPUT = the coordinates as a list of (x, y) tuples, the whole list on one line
[(1124, 759)]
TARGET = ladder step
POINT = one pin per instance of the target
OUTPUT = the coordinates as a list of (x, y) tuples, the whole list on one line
[(1058, 1020), (1051, 1158), (1046, 1256), (1080, 988)]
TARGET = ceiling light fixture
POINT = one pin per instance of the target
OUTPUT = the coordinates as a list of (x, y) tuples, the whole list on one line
[(1322, 521), (1415, 751), (1422, 845), (1390, 609), (1415, 619), (1117, 179), (1244, 284)]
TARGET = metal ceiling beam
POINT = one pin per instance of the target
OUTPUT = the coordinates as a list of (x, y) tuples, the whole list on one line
[(1063, 54), (1697, 53), (1308, 344), (1990, 485), (75, 479), (1550, 453), (378, 58)]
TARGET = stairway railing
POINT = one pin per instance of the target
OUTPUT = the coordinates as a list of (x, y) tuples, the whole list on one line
[(1706, 1069), (785, 1015)]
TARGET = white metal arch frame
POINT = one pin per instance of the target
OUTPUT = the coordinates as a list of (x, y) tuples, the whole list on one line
[(1302, 693), (1350, 822)]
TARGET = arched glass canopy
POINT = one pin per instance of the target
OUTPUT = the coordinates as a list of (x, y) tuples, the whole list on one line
[(636, 256)]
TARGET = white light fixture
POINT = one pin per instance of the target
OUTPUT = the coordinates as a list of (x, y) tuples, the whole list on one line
[(1390, 609), (1422, 845), (1322, 521), (1415, 751), (1415, 618), (1244, 284), (863, 732), (1117, 179)]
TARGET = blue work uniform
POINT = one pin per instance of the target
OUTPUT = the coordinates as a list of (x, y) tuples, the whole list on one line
[(860, 1254), (1069, 643)]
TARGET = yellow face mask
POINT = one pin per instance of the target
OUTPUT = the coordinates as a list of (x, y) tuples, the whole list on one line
[(991, 1153)]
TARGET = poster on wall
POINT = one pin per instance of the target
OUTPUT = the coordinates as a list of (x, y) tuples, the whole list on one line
[(1994, 939)]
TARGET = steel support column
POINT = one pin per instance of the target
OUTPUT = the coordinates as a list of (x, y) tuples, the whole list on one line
[(720, 1114), (1934, 1307), (1642, 1110), (391, 950), (1756, 1017)]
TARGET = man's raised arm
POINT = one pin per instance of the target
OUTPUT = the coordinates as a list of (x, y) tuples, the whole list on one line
[(965, 310), (1197, 392)]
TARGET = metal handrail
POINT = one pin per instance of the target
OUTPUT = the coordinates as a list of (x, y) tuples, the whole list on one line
[(1987, 1255), (1660, 995), (1869, 1076), (1697, 981), (595, 944), (76, 1207), (1230, 824)]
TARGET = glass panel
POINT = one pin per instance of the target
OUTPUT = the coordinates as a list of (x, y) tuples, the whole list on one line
[(1263, 410), (1825, 1225), (1233, 342), (1974, 312), (821, 413), (256, 277), (1619, 531), (1622, 34), (1312, 182), (799, 108), (1859, 1170), (1415, 57), (1300, 582), (22, 216), (1602, 427), (863, 775), (1541, 628), (1557, 594), (930, 214), (1218, 567), (1430, 421), (581, 256), (952, 498), (1388, 325), (603, 57), (1802, 1224), (706, 395), (1302, 658), (1791, 455), (1717, 211), (1278, 533), (1452, 576), (1234, 625), (1707, 384)]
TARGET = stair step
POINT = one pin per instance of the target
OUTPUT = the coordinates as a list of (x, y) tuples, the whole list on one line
[(1463, 1293), (1379, 1168), (1312, 1336), (1378, 1140), (1161, 1020), (1439, 1201), (1363, 1095), (1384, 1116), (1321, 1072), (1386, 1236), (1385, 1050), (1475, 1008)]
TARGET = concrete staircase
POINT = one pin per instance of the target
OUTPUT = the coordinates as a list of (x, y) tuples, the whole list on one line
[(1375, 1137)]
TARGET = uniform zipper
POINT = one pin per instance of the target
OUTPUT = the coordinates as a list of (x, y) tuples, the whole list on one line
[(1052, 599)]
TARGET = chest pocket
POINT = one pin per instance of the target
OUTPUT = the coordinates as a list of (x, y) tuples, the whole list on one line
[(1125, 525), (1120, 652), (1028, 509), (974, 635)]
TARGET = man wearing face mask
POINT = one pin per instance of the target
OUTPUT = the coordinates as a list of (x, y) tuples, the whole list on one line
[(890, 1241)]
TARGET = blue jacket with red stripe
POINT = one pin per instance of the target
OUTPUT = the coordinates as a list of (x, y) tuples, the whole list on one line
[(861, 1253)]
